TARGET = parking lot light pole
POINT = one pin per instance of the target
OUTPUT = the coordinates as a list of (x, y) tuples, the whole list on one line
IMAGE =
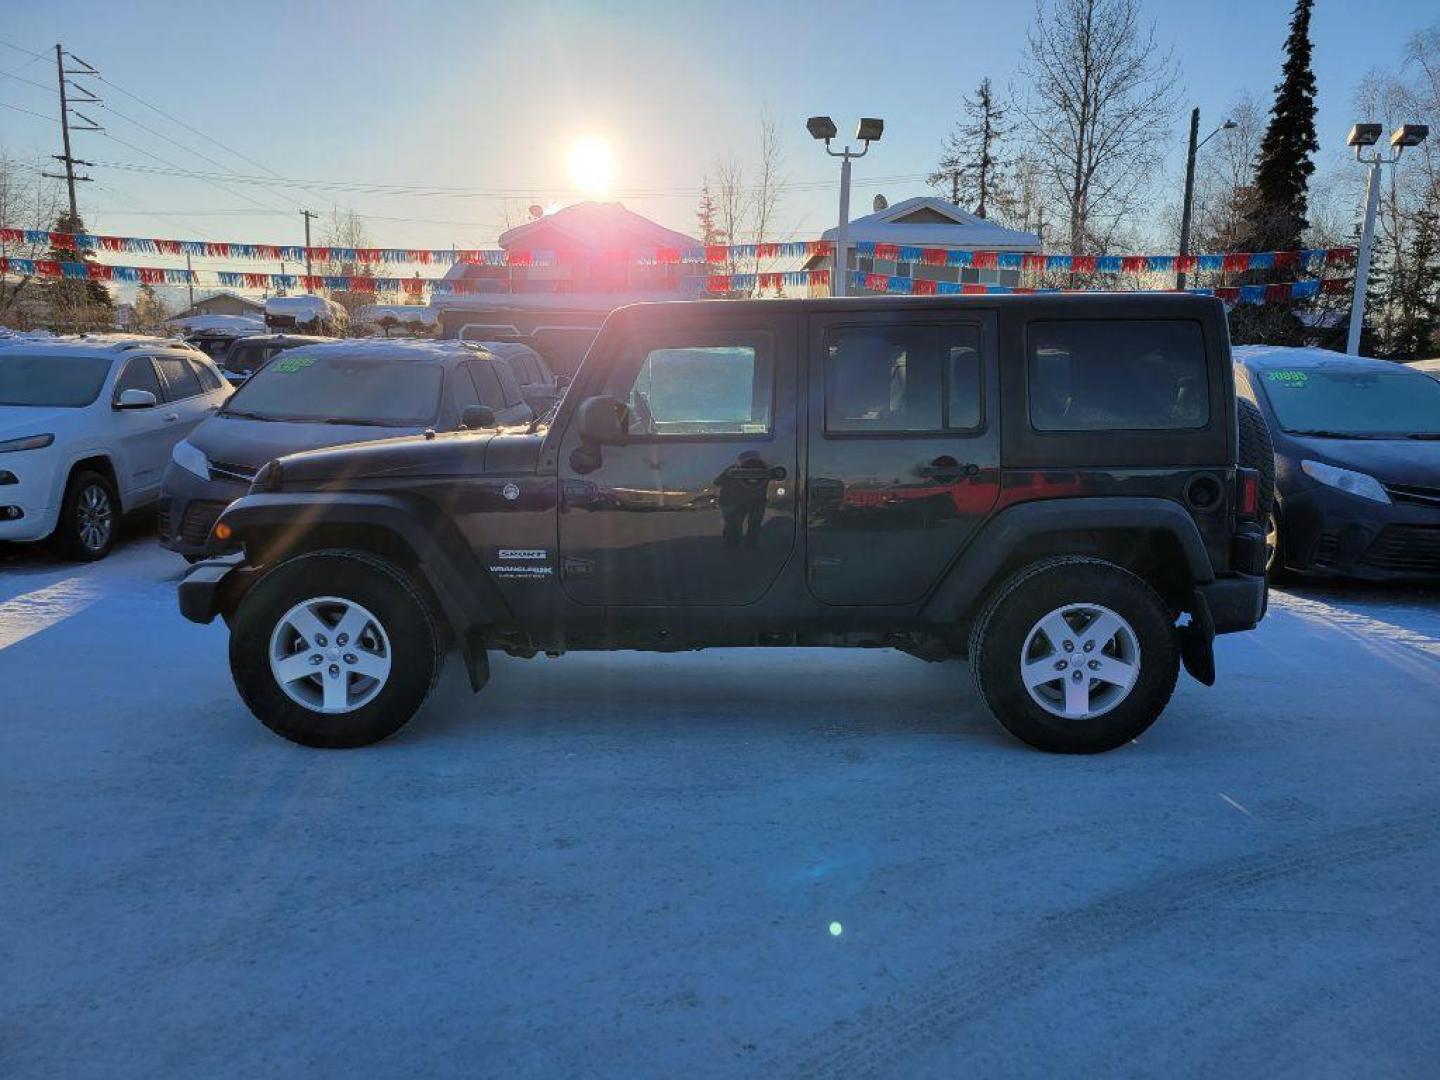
[(1362, 136), (869, 130), (1189, 203)]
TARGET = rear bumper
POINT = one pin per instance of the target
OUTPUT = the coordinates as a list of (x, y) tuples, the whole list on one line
[(1233, 603)]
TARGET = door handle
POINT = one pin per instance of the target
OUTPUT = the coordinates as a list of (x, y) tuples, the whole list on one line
[(171, 417), (947, 467), (823, 489), (755, 472)]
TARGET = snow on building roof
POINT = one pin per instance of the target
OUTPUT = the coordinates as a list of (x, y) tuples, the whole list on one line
[(237, 324), (925, 221), (373, 313), (592, 226), (248, 301), (302, 308)]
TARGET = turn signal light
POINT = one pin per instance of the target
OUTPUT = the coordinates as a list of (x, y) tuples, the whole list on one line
[(223, 531)]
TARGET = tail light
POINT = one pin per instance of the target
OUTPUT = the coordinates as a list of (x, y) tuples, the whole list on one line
[(1247, 504)]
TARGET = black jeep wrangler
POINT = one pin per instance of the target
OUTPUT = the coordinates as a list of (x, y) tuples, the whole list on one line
[(1055, 487)]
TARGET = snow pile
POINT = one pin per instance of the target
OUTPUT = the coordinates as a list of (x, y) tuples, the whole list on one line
[(401, 313), (237, 324)]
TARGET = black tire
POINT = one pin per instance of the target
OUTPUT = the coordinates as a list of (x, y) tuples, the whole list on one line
[(998, 638), (416, 650), (1257, 451), (89, 517), (1275, 568)]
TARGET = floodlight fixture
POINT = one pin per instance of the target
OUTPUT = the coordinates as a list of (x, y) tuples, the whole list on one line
[(1363, 135), (870, 129), (821, 127), (1408, 135)]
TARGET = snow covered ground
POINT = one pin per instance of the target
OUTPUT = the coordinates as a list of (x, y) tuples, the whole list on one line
[(760, 863)]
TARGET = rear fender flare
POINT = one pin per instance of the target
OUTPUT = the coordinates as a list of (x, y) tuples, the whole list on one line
[(973, 574)]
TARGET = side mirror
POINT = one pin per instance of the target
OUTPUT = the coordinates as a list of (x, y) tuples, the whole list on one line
[(604, 421), (477, 416), (136, 399)]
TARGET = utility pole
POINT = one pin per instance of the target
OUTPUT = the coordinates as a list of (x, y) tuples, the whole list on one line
[(307, 215), (190, 279), (1189, 193), (66, 158)]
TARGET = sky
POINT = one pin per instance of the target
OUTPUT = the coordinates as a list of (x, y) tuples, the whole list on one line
[(492, 96)]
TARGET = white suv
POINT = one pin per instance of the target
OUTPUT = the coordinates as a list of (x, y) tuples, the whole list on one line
[(87, 426)]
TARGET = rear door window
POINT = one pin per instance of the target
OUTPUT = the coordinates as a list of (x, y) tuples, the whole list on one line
[(1117, 374), (509, 385), (180, 378), (209, 378), (895, 379), (487, 384), (139, 374)]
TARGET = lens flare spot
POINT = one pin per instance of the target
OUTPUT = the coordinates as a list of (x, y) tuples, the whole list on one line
[(836, 929)]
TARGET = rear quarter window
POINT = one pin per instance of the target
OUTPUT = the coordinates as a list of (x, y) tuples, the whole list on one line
[(1117, 375)]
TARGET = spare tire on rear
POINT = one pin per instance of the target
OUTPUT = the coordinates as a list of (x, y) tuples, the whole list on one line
[(1257, 452)]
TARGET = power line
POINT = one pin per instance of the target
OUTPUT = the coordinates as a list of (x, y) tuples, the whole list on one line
[(29, 112)]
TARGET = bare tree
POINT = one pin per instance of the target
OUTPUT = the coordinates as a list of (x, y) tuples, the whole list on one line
[(727, 183), (346, 229), (150, 312), (765, 198), (1225, 178), (1100, 87), (27, 201)]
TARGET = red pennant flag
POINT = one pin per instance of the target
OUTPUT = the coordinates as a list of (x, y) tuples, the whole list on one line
[(311, 282), (1339, 255), (99, 272), (1285, 259), (767, 251), (168, 247), (819, 249), (47, 268), (717, 253), (1329, 285), (362, 283), (1135, 264), (1232, 294), (413, 286), (717, 282), (1236, 261), (519, 258), (63, 241), (152, 275), (771, 281), (320, 254), (1186, 263), (820, 277), (1033, 262), (932, 257), (922, 287), (876, 282), (217, 251), (1083, 264), (888, 252), (667, 255), (985, 260), (1024, 289), (1277, 292), (12, 236), (972, 290), (112, 243)]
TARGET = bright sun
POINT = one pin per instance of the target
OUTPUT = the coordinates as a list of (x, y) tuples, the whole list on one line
[(592, 165)]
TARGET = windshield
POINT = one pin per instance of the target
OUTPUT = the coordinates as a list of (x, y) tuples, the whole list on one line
[(399, 393), (70, 382), (1353, 401)]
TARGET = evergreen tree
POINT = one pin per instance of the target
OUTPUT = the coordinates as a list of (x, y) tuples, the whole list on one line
[(708, 217), (1417, 293), (1276, 215), (77, 306), (968, 164)]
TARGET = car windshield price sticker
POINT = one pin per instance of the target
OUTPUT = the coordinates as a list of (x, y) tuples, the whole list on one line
[(1297, 379), (288, 365)]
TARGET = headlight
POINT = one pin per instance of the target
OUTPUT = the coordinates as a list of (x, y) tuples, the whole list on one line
[(28, 442), (1356, 483), (191, 458)]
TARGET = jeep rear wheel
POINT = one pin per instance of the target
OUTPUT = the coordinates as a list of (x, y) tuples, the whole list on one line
[(1075, 655), (334, 649)]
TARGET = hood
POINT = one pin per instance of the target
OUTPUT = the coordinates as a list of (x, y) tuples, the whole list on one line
[(453, 454), (1391, 461), (17, 421), (239, 441)]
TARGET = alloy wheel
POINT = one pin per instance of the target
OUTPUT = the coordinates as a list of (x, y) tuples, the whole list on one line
[(94, 517), (330, 655), (1080, 661)]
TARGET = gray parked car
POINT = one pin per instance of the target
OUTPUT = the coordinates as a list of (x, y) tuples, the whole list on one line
[(326, 395)]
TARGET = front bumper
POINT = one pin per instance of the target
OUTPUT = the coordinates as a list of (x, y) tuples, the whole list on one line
[(189, 507), (214, 586), (1330, 533), (26, 484)]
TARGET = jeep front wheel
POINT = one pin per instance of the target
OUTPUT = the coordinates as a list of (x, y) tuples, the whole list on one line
[(334, 649), (1075, 655)]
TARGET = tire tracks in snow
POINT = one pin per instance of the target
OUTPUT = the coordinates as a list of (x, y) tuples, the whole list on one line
[(1356, 623), (877, 1039)]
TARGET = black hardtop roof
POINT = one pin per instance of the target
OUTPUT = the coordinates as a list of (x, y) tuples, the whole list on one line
[(1078, 305)]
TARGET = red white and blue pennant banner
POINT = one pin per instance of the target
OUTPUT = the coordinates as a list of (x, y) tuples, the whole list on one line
[(1242, 294), (712, 255)]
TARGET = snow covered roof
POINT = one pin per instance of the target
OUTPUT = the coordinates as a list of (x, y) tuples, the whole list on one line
[(248, 301), (373, 313), (592, 226), (237, 324), (390, 349), (925, 221), (303, 308)]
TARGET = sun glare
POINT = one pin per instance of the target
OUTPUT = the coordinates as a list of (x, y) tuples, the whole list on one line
[(592, 165)]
